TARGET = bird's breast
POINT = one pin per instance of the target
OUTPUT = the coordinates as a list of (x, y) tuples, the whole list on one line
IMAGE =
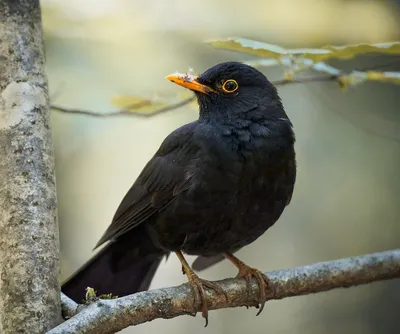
[(241, 185)]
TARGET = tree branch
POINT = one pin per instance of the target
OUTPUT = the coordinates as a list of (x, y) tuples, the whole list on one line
[(110, 316), (68, 306)]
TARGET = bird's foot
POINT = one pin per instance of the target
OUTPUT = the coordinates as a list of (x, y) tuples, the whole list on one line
[(246, 272), (198, 285), (264, 283)]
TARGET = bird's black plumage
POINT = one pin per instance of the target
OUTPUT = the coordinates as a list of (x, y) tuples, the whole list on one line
[(214, 186)]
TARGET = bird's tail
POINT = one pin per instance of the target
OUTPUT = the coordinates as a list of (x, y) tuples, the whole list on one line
[(123, 267)]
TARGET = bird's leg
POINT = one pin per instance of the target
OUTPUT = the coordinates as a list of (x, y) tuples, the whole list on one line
[(198, 285), (247, 272)]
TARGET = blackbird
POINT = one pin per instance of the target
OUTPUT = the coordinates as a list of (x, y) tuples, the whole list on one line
[(214, 186)]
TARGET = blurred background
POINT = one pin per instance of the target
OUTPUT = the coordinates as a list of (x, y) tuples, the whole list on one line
[(346, 199)]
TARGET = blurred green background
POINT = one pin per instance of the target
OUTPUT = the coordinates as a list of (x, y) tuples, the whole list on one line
[(346, 200)]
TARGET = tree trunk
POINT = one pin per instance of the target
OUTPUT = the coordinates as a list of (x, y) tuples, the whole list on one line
[(29, 243)]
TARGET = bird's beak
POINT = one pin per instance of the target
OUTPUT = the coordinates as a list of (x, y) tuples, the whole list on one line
[(190, 82)]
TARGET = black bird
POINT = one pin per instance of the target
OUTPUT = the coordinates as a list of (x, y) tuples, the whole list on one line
[(214, 186)]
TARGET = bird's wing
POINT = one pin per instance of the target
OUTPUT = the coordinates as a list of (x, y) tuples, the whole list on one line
[(162, 179)]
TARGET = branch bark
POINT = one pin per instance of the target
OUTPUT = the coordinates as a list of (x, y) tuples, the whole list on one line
[(110, 316), (29, 244), (68, 306)]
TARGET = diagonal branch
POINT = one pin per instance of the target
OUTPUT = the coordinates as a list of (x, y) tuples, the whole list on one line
[(110, 316)]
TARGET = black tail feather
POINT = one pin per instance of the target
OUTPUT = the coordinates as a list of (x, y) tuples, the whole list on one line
[(123, 267)]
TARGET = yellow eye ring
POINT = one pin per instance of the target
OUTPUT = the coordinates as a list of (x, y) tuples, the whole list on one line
[(230, 86)]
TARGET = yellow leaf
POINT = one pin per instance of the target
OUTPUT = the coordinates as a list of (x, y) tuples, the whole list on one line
[(288, 75), (393, 77), (357, 77), (136, 104)]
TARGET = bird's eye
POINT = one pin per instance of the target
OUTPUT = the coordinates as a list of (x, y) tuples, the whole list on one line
[(229, 86)]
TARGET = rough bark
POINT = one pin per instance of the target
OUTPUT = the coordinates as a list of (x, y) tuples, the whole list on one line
[(110, 316), (29, 243)]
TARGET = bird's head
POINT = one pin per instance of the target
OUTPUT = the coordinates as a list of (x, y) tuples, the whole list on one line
[(233, 88)]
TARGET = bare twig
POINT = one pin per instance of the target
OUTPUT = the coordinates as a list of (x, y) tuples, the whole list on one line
[(92, 113), (124, 112), (110, 316), (176, 105)]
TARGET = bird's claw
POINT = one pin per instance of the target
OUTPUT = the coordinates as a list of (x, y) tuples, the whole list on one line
[(263, 281), (200, 301)]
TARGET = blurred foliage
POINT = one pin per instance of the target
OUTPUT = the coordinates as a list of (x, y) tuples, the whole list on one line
[(323, 53), (297, 60), (294, 61), (357, 77)]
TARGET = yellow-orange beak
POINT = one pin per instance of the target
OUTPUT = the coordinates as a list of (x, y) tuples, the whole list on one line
[(189, 81)]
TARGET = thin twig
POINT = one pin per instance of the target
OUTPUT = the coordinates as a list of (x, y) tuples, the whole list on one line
[(110, 316), (176, 105), (124, 112)]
